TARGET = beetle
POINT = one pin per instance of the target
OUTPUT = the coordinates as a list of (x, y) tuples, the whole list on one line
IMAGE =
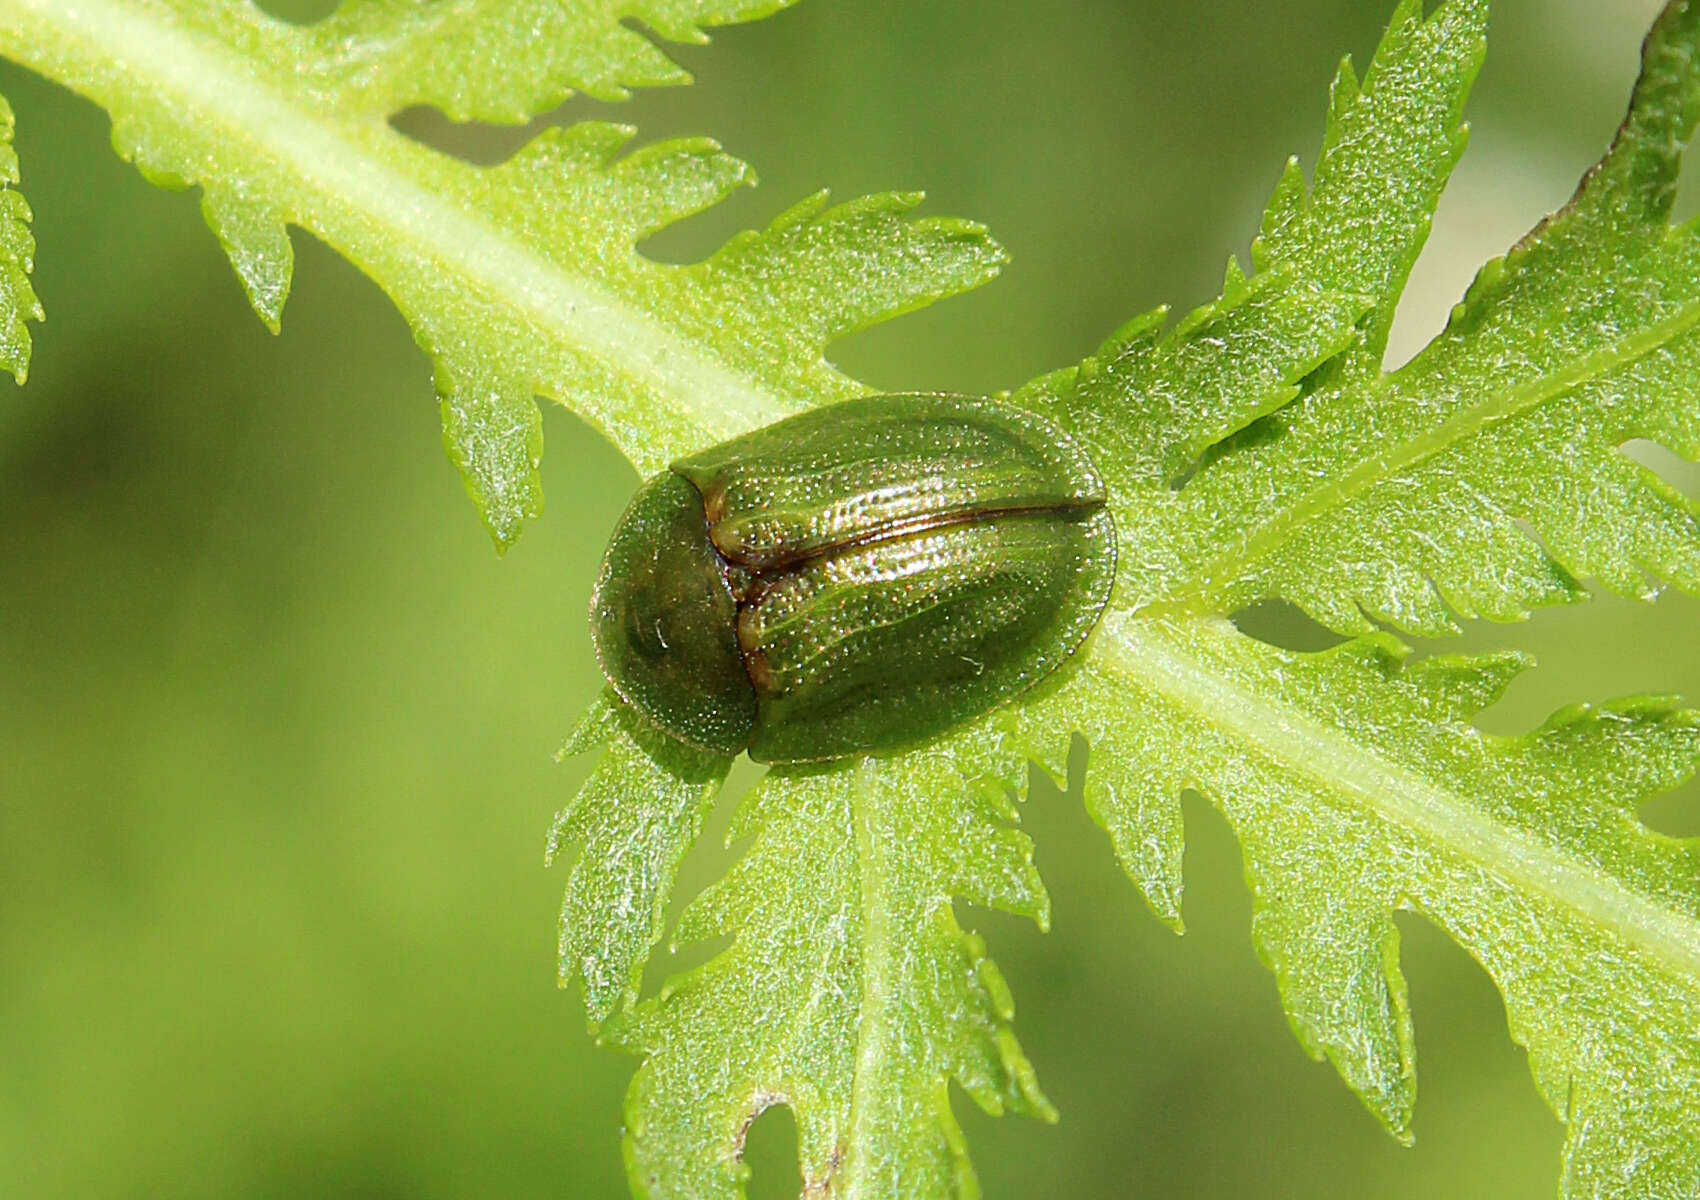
[(857, 578)]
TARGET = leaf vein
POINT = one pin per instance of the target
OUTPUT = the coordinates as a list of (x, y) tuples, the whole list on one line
[(1259, 538), (1149, 655)]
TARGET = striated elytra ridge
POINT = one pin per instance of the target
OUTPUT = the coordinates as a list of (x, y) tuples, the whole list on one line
[(857, 578)]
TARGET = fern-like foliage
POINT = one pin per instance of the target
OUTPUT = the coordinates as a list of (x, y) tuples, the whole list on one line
[(1256, 449), (18, 303), (522, 279)]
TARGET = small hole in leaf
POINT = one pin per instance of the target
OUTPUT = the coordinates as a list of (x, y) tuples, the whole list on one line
[(692, 239), (298, 12), (1687, 205), (1676, 813), (770, 1151), (475, 142), (1285, 625), (1675, 470)]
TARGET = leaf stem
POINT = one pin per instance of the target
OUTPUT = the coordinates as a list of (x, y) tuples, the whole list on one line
[(1153, 656), (351, 194), (869, 1095)]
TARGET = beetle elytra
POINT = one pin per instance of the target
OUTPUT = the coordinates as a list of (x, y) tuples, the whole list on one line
[(853, 579)]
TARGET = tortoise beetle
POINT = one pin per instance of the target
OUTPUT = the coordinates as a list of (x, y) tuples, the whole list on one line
[(856, 578)]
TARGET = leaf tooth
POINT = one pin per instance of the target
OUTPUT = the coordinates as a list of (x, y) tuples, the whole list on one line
[(1335, 957), (1665, 524), (1403, 597), (493, 433), (1286, 206), (595, 729), (1147, 830), (1233, 277), (1238, 292), (628, 827), (1639, 175), (992, 1070), (1132, 789), (1131, 338), (1376, 654), (672, 180), (641, 192), (18, 302), (1343, 95), (1623, 516), (994, 869), (1620, 754), (1456, 687), (710, 913), (255, 237), (840, 269), (498, 60), (690, 21), (991, 798), (559, 148), (800, 213), (1335, 607)]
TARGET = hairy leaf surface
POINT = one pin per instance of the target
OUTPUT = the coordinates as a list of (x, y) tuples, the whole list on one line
[(1358, 787), (1486, 478), (854, 995), (1255, 449), (520, 279), (18, 303)]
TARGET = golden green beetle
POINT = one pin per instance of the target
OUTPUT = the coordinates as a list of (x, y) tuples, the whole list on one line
[(856, 578)]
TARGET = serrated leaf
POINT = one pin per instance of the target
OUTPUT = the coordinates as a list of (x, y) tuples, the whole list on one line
[(1253, 450), (850, 993), (1330, 262), (504, 60), (1358, 788), (630, 825), (18, 302), (525, 273), (1411, 499), (493, 432), (1390, 146)]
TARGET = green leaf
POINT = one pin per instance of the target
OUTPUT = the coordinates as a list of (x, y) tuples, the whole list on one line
[(521, 279), (632, 822), (1390, 145), (1254, 450), (1358, 787), (503, 60), (1331, 260), (18, 303), (850, 992), (1486, 477)]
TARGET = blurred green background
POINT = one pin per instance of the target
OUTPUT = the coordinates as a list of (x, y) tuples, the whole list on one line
[(275, 722)]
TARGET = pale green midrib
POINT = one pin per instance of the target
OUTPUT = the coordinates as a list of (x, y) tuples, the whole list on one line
[(1261, 538), (209, 83), (1139, 651), (872, 1044)]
